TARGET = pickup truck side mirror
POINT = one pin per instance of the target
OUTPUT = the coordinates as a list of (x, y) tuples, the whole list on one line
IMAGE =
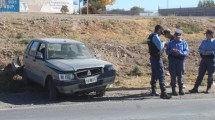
[(39, 56), (98, 56)]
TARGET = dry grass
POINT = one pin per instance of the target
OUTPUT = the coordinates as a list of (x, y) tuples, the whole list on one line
[(144, 81), (132, 82), (190, 28)]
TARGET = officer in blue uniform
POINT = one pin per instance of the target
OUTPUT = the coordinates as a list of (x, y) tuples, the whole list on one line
[(207, 53), (168, 35), (177, 50), (157, 67)]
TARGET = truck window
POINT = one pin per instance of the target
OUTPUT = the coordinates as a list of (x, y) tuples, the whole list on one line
[(28, 47), (33, 48), (42, 49)]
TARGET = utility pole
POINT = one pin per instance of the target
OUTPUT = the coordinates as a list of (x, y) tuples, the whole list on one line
[(80, 7), (167, 4), (87, 7)]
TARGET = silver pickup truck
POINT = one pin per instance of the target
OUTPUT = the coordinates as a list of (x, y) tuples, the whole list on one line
[(65, 66)]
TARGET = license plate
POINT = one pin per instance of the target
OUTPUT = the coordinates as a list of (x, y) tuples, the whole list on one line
[(89, 80)]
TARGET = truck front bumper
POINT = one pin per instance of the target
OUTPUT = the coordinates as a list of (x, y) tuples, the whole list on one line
[(81, 86)]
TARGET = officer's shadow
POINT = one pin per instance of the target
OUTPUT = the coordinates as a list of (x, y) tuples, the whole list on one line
[(116, 94), (38, 96)]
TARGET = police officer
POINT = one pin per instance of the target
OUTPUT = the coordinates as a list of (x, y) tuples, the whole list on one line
[(167, 34), (155, 51), (177, 50), (207, 53)]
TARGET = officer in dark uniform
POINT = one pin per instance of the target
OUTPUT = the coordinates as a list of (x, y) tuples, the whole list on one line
[(207, 53), (157, 67), (177, 50)]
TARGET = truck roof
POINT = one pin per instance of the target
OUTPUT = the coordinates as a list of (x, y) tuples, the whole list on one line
[(56, 40)]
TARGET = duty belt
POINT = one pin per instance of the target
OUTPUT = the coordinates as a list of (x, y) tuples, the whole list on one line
[(207, 56), (177, 57)]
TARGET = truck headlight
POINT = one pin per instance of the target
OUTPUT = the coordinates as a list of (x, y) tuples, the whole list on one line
[(66, 77), (109, 68)]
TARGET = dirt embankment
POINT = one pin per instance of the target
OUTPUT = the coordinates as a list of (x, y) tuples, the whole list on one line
[(119, 39)]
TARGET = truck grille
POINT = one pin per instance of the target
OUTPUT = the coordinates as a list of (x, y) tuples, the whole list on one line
[(82, 86), (89, 72)]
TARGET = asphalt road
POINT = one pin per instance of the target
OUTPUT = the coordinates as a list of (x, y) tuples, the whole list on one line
[(147, 109)]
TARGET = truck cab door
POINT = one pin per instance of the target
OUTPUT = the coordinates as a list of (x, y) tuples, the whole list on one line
[(28, 59), (39, 64)]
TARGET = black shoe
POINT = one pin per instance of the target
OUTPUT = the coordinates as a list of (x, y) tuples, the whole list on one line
[(194, 90), (174, 93), (208, 89), (155, 94), (165, 96), (181, 92)]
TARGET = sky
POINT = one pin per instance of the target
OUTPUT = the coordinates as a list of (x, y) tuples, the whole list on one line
[(152, 5)]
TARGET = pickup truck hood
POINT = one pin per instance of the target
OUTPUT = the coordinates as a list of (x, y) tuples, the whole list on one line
[(75, 64)]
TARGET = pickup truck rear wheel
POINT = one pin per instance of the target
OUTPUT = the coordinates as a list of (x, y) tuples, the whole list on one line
[(52, 90)]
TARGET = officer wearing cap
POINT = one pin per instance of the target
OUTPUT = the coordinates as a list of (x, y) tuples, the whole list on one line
[(155, 51), (168, 35), (207, 53), (177, 50)]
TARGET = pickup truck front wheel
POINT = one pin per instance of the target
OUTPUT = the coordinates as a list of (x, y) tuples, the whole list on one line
[(25, 78), (52, 90), (101, 92)]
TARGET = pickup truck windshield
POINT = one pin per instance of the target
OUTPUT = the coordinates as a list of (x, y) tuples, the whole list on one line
[(68, 51)]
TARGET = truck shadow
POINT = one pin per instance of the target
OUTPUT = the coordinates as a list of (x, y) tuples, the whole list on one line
[(38, 96), (14, 92)]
